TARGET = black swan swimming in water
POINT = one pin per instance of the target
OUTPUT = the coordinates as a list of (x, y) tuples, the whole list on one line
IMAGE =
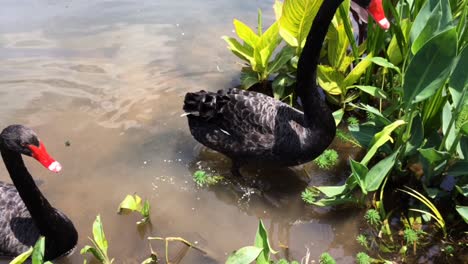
[(250, 127), (25, 214)]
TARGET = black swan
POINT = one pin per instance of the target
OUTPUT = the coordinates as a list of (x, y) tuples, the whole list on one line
[(250, 127), (25, 214)]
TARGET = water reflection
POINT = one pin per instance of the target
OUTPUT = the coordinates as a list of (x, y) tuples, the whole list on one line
[(108, 77)]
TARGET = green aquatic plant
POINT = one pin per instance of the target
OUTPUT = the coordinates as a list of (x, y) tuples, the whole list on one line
[(260, 251), (448, 250), (167, 240), (372, 217), (363, 258), (100, 246), (353, 121), (435, 212), (36, 253), (327, 159), (308, 196), (362, 240), (257, 49), (201, 178), (133, 203), (326, 258)]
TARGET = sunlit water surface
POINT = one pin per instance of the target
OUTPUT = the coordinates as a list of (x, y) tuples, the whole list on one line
[(109, 78)]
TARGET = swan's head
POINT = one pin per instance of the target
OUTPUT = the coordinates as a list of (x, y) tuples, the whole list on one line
[(375, 9), (24, 140)]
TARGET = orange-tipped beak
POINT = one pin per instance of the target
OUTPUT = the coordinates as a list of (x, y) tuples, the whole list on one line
[(376, 10), (41, 155)]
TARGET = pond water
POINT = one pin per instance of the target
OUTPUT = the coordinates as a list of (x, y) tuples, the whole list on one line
[(109, 78)]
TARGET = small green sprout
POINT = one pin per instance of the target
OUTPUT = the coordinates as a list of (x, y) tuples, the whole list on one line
[(410, 236), (448, 250), (133, 203), (362, 240), (353, 120), (373, 217), (308, 196), (363, 258), (327, 159), (326, 258), (201, 178)]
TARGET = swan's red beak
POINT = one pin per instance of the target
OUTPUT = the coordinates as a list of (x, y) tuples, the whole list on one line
[(376, 10), (41, 155)]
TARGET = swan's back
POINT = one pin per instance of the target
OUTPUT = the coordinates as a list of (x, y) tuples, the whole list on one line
[(17, 229), (247, 126)]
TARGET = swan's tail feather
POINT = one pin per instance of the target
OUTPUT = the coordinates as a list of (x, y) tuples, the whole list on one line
[(205, 104)]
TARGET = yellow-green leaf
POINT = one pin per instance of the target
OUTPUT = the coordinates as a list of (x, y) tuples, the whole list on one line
[(330, 79), (356, 73), (22, 257), (246, 33), (296, 20), (381, 138)]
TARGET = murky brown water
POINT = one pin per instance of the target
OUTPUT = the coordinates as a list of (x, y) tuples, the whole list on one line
[(109, 76)]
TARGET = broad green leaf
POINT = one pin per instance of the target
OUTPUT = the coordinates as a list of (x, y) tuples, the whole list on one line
[(463, 211), (279, 85), (464, 128), (357, 72), (385, 63), (433, 156), (394, 53), (246, 33), (130, 203), (334, 191), (283, 57), (278, 8), (347, 199), (261, 241), (446, 119), (338, 116), (433, 18), (459, 168), (244, 255), (359, 173), (37, 256), (268, 43), (96, 253), (372, 90), (248, 79), (337, 40), (238, 49), (463, 190), (296, 20), (363, 133), (437, 57), (416, 137), (22, 257), (381, 138), (459, 78), (98, 234), (379, 171), (330, 79)]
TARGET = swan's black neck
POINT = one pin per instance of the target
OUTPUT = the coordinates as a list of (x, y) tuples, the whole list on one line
[(307, 65), (61, 235)]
